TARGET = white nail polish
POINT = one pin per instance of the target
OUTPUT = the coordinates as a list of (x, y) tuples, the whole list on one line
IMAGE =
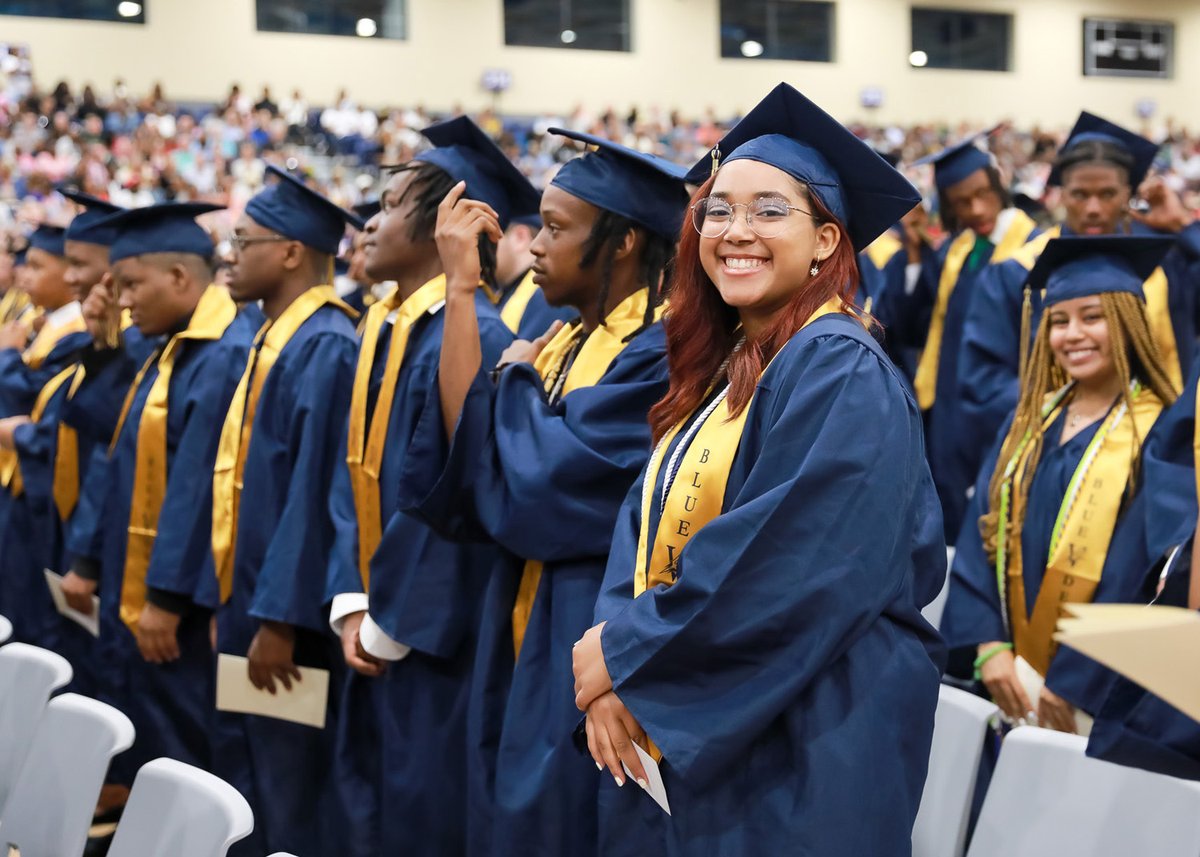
[(645, 786), (620, 781), (599, 767)]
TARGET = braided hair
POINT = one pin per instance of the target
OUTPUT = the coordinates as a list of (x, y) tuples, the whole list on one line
[(1094, 152), (601, 247)]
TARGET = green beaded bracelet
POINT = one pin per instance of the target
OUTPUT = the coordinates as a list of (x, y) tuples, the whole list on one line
[(988, 655)]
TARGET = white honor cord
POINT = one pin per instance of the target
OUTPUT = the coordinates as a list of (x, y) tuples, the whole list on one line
[(673, 464)]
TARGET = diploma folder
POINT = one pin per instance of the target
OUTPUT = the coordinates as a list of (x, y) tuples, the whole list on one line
[(305, 703), (91, 623), (1148, 645)]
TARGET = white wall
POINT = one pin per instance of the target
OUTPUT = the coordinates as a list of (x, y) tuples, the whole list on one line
[(198, 47)]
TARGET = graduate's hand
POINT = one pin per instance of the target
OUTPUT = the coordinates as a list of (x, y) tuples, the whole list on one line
[(97, 310), (591, 673), (78, 592), (460, 222), (15, 334), (358, 658), (1167, 212), (524, 351), (611, 734), (212, 631), (999, 675), (271, 656), (1054, 712), (914, 225), (156, 635), (8, 426)]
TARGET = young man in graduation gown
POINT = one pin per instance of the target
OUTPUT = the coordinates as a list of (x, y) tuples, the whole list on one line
[(929, 312), (399, 728), (519, 300), (154, 522), (13, 299), (1099, 169), (538, 462), (271, 530)]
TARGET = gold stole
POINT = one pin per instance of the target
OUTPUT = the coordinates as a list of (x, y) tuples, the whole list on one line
[(12, 305), (882, 249), (364, 456), (10, 467), (514, 308), (66, 459), (1082, 532), (214, 313), (927, 369), (239, 421), (48, 337), (599, 349)]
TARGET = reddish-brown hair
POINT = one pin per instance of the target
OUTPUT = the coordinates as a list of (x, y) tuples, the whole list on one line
[(702, 329)]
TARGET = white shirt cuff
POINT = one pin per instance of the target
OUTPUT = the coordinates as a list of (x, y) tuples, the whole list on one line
[(378, 644), (343, 606), (912, 273)]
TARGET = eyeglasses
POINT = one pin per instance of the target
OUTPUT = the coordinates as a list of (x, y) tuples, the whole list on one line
[(241, 242), (712, 216)]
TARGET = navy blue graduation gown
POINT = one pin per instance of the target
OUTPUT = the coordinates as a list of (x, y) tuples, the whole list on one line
[(426, 592), (882, 288), (538, 315), (790, 656), (972, 614), (283, 542), (990, 352), (20, 383), (544, 482), (1168, 473)]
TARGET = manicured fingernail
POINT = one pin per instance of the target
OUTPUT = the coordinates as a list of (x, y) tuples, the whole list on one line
[(643, 784), (599, 767), (620, 781)]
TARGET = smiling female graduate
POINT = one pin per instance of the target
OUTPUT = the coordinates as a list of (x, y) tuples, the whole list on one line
[(1053, 496), (747, 630), (538, 463)]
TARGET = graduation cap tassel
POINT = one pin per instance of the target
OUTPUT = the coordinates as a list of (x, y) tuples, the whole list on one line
[(716, 159), (1026, 324)]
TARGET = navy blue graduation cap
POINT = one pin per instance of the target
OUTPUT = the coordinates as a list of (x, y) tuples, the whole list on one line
[(167, 228), (19, 257), (366, 210), (533, 221), (1091, 127), (467, 154), (49, 239), (791, 133), (955, 163), (1078, 266), (88, 226), (644, 188), (296, 211)]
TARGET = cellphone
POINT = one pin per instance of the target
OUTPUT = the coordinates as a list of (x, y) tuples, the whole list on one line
[(1139, 205)]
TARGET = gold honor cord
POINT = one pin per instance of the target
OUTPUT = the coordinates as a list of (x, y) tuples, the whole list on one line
[(66, 459), (882, 249), (213, 315), (927, 368), (364, 455), (12, 305), (518, 301), (596, 354), (10, 467), (1082, 531), (239, 421)]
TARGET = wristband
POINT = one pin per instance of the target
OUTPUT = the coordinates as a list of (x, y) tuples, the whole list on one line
[(988, 655)]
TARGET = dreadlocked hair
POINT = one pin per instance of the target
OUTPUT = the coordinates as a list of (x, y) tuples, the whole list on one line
[(1094, 152), (950, 222), (1135, 357), (703, 331), (601, 247), (429, 187)]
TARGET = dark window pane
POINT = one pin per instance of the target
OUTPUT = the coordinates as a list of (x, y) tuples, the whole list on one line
[(1128, 48), (777, 30), (596, 25), (384, 19), (967, 40), (129, 12)]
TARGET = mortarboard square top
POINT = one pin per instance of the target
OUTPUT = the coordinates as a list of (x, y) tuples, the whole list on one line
[(788, 131), (1079, 266), (166, 228), (644, 188), (296, 211), (955, 163), (49, 239), (467, 154), (1091, 127), (87, 226)]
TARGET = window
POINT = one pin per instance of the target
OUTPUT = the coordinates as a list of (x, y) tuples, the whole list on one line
[(777, 30), (1128, 48), (122, 11), (382, 19), (943, 38), (593, 25)]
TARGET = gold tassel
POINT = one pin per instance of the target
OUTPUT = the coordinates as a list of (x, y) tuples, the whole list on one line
[(716, 160), (1026, 324)]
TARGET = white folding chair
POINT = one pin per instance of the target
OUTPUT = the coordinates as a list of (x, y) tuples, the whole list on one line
[(5, 629), (180, 810), (958, 732), (1047, 799), (934, 609), (50, 808), (28, 675)]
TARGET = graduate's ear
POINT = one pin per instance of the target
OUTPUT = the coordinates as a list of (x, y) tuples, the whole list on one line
[(829, 236), (631, 243), (294, 254)]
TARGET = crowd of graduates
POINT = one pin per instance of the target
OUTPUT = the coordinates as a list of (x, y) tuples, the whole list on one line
[(658, 462)]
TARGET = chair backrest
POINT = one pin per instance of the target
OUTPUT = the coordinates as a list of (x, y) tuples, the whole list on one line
[(5, 629), (50, 808), (1048, 798), (934, 609), (958, 733), (28, 675), (180, 810)]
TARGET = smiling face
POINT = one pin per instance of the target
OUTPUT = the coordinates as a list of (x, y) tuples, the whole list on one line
[(758, 276), (86, 264), (1080, 341), (46, 280)]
